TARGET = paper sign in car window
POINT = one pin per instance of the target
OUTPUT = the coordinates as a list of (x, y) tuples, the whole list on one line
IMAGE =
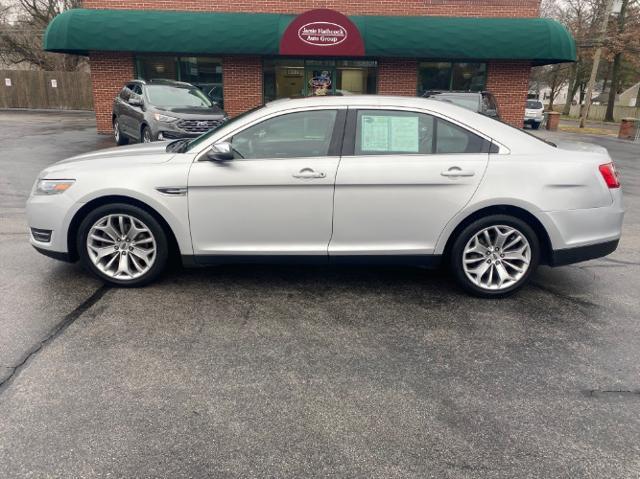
[(374, 133), (404, 134)]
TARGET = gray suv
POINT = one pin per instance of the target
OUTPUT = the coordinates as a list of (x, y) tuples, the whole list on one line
[(482, 102), (153, 110)]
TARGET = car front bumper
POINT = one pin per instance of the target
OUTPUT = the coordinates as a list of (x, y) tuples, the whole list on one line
[(49, 218)]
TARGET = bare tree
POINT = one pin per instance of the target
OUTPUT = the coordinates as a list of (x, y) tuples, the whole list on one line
[(553, 77), (22, 25), (624, 38)]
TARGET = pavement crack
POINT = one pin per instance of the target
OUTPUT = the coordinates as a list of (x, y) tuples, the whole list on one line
[(57, 330), (572, 299), (620, 261)]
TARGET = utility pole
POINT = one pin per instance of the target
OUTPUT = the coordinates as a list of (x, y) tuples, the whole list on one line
[(596, 62)]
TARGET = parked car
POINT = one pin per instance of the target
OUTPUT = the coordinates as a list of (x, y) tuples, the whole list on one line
[(481, 102), (162, 110), (365, 179), (534, 113)]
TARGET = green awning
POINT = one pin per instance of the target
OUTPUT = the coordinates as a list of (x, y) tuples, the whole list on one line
[(79, 31)]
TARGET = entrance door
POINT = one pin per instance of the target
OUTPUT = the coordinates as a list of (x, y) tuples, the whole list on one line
[(276, 196), (405, 176)]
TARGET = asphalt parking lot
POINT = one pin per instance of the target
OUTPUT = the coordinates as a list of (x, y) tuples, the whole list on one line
[(254, 371)]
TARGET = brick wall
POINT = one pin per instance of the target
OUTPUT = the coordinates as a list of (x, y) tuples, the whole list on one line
[(459, 8), (242, 83), (509, 82), (397, 76), (109, 72)]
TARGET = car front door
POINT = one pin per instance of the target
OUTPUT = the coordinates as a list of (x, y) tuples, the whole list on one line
[(123, 108), (403, 176), (276, 196), (136, 113)]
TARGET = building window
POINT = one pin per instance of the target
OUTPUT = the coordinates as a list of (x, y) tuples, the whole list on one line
[(203, 72), (451, 76), (285, 78)]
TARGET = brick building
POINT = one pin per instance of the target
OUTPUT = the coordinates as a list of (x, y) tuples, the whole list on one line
[(246, 52)]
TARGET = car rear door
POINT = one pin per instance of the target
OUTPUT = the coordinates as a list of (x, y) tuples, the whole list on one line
[(276, 197), (403, 175)]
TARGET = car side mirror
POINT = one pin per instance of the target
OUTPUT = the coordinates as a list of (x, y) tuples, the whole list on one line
[(221, 151), (134, 101)]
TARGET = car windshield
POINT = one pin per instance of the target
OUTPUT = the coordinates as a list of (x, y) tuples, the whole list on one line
[(195, 142), (171, 96), (534, 104), (470, 103)]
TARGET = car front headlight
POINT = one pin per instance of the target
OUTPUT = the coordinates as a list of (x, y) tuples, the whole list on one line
[(53, 187), (164, 118)]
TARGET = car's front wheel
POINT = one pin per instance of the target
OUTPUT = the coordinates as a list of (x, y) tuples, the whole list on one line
[(122, 245), (535, 125), (146, 135), (117, 134), (494, 256)]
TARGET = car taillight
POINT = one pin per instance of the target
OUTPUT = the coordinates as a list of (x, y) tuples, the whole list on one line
[(608, 172)]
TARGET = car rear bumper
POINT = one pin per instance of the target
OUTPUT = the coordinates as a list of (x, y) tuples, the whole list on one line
[(582, 234), (562, 257)]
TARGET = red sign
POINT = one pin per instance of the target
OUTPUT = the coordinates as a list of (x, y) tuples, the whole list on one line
[(322, 32)]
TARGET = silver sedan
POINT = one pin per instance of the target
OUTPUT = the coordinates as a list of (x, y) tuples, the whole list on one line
[(364, 179)]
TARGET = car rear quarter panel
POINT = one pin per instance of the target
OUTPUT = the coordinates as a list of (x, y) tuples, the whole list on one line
[(564, 190)]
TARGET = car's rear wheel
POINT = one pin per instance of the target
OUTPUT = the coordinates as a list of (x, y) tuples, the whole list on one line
[(122, 245), (146, 135), (117, 134), (494, 256)]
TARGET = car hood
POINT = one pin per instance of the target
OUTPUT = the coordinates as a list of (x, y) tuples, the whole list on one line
[(155, 150), (149, 153), (193, 113)]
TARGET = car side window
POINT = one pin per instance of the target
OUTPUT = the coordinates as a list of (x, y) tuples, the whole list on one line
[(391, 132), (292, 135), (452, 138), (137, 89)]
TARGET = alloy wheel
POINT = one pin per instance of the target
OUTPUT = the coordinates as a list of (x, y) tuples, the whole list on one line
[(496, 257), (116, 131), (146, 136), (121, 246)]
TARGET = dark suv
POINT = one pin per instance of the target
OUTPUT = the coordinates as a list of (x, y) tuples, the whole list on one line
[(162, 110), (481, 102)]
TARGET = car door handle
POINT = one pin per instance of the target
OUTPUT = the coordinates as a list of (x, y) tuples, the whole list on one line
[(456, 172), (307, 173)]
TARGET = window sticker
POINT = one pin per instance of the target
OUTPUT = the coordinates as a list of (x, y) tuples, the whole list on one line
[(375, 133), (404, 134), (390, 133)]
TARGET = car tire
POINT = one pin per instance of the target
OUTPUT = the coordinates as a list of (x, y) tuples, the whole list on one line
[(117, 134), (146, 136), (109, 249), (494, 256), (535, 125)]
